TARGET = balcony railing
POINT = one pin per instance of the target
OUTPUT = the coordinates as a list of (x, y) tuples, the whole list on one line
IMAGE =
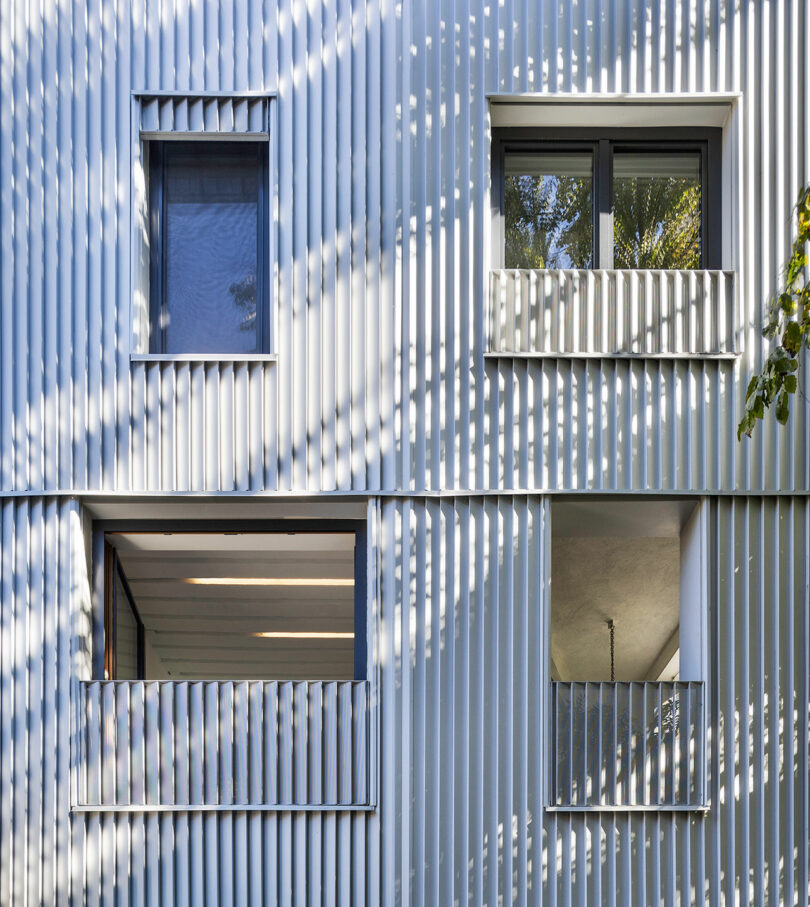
[(613, 313), (240, 744), (627, 745)]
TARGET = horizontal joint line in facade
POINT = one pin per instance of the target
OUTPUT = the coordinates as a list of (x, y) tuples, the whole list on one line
[(224, 807), (640, 808), (98, 496)]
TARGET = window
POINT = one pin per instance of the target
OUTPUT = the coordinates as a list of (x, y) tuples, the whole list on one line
[(235, 605), (231, 654), (627, 654), (208, 260), (619, 199)]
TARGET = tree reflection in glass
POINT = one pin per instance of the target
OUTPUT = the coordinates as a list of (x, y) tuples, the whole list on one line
[(548, 210), (656, 210)]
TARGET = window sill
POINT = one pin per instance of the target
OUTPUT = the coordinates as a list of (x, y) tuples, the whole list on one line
[(225, 808), (662, 808), (511, 354), (203, 357)]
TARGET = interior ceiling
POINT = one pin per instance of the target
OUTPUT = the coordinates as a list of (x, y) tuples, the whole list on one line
[(620, 519), (618, 561), (208, 630)]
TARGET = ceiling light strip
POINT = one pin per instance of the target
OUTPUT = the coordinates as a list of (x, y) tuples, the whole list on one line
[(283, 634), (266, 581)]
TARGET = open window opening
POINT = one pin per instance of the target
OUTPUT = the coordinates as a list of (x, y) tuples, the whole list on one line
[(235, 605), (627, 653), (625, 592)]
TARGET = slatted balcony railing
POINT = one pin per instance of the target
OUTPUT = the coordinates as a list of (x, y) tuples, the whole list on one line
[(627, 745), (613, 313), (223, 744)]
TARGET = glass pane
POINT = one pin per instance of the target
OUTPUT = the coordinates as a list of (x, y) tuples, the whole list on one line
[(656, 210), (548, 210), (211, 251)]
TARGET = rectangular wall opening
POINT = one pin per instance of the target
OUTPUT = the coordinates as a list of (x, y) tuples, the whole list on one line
[(235, 605), (626, 567), (627, 653)]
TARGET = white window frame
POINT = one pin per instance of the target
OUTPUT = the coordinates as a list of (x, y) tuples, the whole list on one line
[(205, 117), (512, 306), (695, 602)]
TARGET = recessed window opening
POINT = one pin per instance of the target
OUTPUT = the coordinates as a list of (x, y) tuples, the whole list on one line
[(235, 605), (625, 199), (208, 261), (622, 576), (627, 654)]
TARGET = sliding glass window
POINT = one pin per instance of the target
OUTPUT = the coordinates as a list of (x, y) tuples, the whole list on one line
[(618, 200), (548, 206)]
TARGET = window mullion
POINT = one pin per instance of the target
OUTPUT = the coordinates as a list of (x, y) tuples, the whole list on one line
[(604, 229), (162, 243), (262, 345), (156, 252)]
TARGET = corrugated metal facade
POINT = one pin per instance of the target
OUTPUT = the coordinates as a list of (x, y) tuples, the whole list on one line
[(382, 171), (618, 313), (460, 815), (223, 743), (381, 383)]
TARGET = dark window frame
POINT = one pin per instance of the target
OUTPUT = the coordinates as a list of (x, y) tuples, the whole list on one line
[(113, 569), (603, 143), (210, 152), (104, 635)]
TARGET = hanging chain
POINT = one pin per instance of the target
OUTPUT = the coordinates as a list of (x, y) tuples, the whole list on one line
[(612, 630)]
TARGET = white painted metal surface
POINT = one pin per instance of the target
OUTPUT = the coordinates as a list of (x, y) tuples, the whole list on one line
[(381, 265), (233, 115), (627, 744), (610, 313), (235, 744), (381, 247), (462, 743)]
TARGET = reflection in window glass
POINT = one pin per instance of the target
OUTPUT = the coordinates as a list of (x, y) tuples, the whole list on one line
[(656, 210), (211, 252), (548, 210)]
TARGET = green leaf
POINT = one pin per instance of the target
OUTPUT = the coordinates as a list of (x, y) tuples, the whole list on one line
[(788, 320), (792, 338), (746, 426), (782, 409), (786, 303)]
